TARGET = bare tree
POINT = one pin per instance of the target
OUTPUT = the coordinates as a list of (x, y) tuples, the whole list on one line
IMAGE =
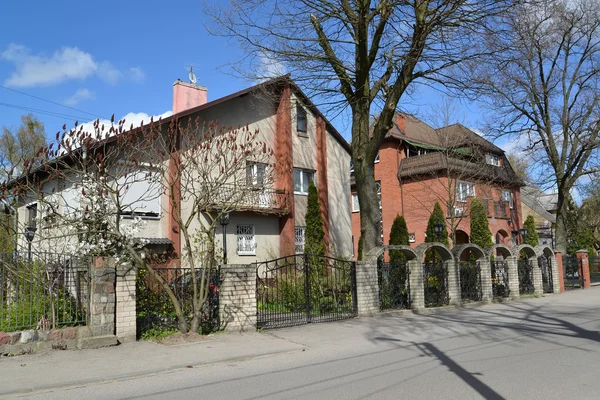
[(95, 188), (541, 79), (361, 55)]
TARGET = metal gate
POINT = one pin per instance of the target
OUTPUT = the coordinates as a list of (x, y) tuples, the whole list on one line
[(572, 273), (500, 286), (303, 288), (394, 285), (594, 263), (525, 268), (545, 264), (435, 284), (470, 281)]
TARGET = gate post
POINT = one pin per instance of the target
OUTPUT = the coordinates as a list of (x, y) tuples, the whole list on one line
[(417, 292), (513, 277), (453, 282), (584, 265), (538, 283), (102, 304), (485, 268), (126, 328), (558, 269), (367, 287), (237, 297)]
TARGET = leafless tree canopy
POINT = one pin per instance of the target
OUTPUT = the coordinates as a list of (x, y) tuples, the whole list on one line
[(363, 55), (541, 80)]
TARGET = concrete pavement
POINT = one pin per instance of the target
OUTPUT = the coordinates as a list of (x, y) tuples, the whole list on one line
[(537, 348)]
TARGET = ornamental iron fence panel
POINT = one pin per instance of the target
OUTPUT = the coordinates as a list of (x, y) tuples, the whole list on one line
[(572, 273), (43, 291), (302, 289), (525, 268), (545, 264), (500, 286), (435, 284), (594, 263), (470, 281), (394, 285), (155, 310)]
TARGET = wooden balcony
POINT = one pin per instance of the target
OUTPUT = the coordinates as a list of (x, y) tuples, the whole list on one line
[(253, 198)]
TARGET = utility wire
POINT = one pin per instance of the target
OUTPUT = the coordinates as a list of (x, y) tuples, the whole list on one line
[(45, 112), (52, 102)]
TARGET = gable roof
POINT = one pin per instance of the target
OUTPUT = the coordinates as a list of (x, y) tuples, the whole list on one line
[(457, 135)]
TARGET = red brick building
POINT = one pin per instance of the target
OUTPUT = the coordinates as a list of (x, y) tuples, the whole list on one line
[(418, 166)]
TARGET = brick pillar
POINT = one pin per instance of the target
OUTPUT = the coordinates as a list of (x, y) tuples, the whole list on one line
[(453, 282), (513, 277), (558, 283), (237, 298), (102, 299), (584, 267), (538, 283), (417, 291), (367, 288), (486, 279), (126, 303)]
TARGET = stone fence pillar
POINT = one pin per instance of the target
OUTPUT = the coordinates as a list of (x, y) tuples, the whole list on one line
[(126, 303), (453, 282), (513, 277), (485, 268), (417, 292), (103, 299), (538, 282), (367, 288), (237, 298), (558, 283), (584, 267)]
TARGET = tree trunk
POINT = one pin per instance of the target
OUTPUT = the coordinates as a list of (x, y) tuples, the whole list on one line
[(561, 222)]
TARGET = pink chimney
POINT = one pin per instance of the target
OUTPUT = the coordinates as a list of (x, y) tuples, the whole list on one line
[(187, 95)]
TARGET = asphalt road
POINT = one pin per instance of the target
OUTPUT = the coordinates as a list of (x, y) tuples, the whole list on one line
[(547, 348)]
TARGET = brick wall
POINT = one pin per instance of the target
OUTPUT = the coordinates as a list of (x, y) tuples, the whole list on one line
[(237, 298), (126, 303)]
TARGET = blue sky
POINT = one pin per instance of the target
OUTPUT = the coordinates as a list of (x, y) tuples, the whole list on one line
[(119, 57)]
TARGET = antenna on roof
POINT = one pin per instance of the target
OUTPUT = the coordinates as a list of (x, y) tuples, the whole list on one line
[(192, 76)]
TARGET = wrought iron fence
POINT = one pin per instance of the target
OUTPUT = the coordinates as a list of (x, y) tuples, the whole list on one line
[(154, 308), (435, 284), (525, 268), (545, 264), (594, 262), (572, 276), (303, 288), (43, 291), (394, 285), (500, 286), (470, 281)]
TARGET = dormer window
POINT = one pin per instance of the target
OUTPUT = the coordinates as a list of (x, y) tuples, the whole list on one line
[(492, 159), (301, 122)]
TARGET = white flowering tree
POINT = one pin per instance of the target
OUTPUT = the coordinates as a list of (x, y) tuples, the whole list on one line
[(97, 188)]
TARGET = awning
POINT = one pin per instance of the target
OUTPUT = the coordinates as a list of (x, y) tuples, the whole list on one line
[(423, 146)]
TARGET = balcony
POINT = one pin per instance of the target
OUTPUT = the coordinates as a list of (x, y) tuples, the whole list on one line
[(252, 198), (461, 210), (501, 210)]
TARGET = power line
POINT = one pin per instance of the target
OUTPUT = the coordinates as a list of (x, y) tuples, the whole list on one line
[(52, 102), (45, 112)]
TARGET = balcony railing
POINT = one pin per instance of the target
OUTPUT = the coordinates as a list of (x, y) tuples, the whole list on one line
[(242, 197), (500, 209)]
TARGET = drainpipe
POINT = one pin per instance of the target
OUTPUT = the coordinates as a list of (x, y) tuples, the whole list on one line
[(8, 209)]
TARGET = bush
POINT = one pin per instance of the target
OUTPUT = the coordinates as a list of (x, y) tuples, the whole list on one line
[(398, 236), (480, 228), (437, 217)]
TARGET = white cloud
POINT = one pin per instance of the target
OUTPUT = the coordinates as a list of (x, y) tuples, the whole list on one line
[(137, 74), (108, 73), (130, 118), (269, 67), (79, 96), (67, 63), (37, 70)]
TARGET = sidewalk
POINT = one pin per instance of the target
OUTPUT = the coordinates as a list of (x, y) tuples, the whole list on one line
[(74, 368)]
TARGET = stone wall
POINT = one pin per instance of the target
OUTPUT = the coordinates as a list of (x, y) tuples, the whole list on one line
[(126, 303), (367, 287), (237, 298)]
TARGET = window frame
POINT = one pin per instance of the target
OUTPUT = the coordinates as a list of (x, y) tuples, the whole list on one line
[(412, 237), (492, 159), (301, 115), (252, 241), (303, 173), (297, 243), (357, 208), (458, 194), (253, 176), (510, 200)]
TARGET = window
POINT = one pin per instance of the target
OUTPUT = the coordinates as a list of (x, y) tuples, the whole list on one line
[(299, 234), (492, 159), (412, 237), (139, 193), (302, 179), (246, 242), (301, 122), (255, 174), (464, 190), (412, 151), (507, 196), (355, 203)]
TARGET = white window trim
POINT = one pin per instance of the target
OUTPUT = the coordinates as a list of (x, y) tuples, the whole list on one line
[(302, 175), (492, 159), (305, 131), (253, 242), (355, 195), (412, 237), (376, 158), (458, 198), (511, 199)]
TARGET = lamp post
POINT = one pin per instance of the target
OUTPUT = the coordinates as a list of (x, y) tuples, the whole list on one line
[(437, 228), (523, 234), (515, 233), (224, 221), (29, 235)]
